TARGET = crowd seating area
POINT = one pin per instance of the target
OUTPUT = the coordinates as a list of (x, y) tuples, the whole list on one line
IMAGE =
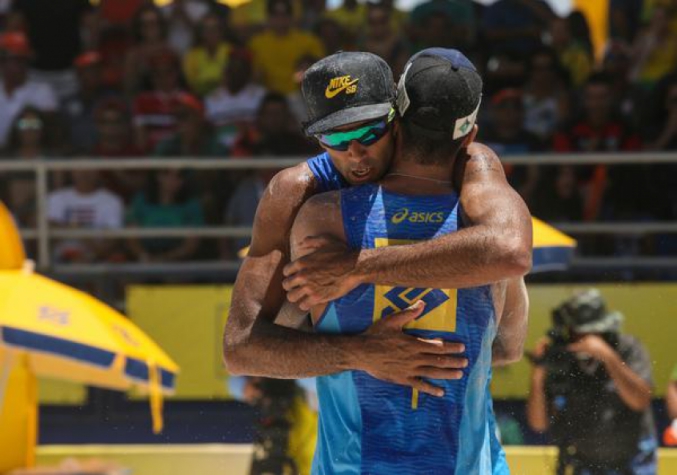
[(195, 78)]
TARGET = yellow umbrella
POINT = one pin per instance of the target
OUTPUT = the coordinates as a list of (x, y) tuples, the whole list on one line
[(11, 249), (68, 334), (552, 248)]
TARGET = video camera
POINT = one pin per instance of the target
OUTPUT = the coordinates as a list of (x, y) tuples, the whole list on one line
[(584, 313)]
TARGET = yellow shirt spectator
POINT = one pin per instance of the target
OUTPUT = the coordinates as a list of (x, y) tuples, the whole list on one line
[(203, 71), (253, 13), (276, 56)]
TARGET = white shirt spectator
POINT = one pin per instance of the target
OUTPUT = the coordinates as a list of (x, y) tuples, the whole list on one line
[(226, 111), (30, 94), (99, 210), (182, 24)]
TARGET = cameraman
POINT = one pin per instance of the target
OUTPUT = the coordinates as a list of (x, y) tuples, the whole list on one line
[(591, 389)]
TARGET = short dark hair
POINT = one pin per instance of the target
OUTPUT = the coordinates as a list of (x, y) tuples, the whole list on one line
[(425, 150)]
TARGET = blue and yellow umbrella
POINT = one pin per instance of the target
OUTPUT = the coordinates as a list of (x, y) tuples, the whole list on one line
[(68, 334), (60, 332), (552, 248)]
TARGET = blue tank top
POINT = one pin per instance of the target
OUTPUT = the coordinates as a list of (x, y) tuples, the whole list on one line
[(464, 436)]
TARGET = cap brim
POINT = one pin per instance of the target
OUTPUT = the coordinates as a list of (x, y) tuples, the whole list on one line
[(349, 116)]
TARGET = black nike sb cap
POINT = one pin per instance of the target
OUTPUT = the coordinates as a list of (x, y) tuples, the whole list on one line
[(346, 87), (439, 93)]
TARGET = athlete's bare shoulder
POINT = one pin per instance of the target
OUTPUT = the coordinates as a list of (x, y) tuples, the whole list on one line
[(281, 201), (482, 159), (293, 182), (478, 163)]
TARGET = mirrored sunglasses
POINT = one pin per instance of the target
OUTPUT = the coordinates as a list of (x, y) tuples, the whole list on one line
[(366, 135)]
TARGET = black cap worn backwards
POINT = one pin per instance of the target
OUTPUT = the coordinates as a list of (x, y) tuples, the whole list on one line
[(344, 88), (439, 93)]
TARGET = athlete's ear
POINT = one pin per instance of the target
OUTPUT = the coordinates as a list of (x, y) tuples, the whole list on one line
[(470, 138)]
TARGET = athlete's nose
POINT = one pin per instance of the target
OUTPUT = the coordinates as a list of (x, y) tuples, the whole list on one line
[(356, 149)]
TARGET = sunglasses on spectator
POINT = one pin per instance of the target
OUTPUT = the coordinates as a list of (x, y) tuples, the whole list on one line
[(366, 135), (29, 123)]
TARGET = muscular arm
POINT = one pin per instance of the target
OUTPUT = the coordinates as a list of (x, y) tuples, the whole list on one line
[(495, 245), (512, 329), (537, 409), (671, 399), (253, 344), (633, 390)]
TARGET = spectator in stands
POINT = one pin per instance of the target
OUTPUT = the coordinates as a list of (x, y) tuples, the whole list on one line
[(627, 96), (351, 15), (57, 31), (654, 50), (203, 65), (505, 69), (150, 37), (333, 36), (591, 390), (233, 106), (113, 130), (516, 26), (506, 135), (572, 55), (168, 202), (600, 130), (28, 140), (279, 47), (662, 136), (295, 99), (86, 204), (193, 136), (17, 91), (670, 435), (311, 13), (275, 132), (624, 19), (382, 40), (558, 197), (445, 23), (114, 140), (664, 123), (154, 118), (546, 100), (183, 17), (78, 109)]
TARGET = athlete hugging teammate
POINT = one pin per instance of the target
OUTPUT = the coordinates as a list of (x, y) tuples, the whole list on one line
[(360, 133)]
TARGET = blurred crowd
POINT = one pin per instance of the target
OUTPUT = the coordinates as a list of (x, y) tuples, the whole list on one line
[(195, 78)]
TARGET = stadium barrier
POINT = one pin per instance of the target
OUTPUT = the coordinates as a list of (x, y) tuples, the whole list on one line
[(44, 233)]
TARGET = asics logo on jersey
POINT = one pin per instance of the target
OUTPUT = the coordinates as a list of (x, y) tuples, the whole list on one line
[(340, 84), (415, 217)]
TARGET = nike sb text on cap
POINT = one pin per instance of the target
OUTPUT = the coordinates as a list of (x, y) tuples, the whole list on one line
[(345, 88), (439, 93)]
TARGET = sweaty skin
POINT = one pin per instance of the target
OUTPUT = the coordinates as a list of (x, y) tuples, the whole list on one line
[(322, 213), (495, 247)]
